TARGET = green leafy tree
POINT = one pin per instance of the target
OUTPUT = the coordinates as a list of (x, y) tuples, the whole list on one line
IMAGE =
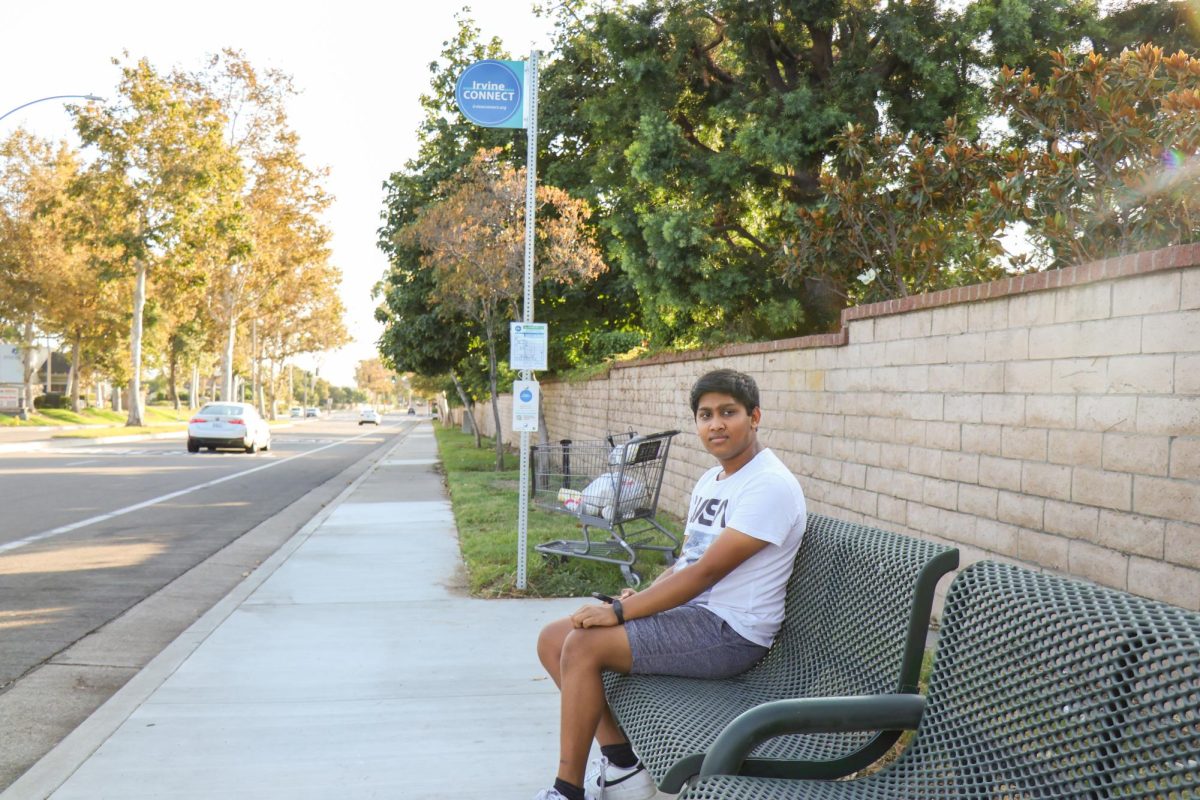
[(902, 215), (701, 129), (589, 320), (1169, 24), (159, 165)]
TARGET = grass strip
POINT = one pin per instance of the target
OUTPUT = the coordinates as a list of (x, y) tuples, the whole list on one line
[(57, 417), (485, 510)]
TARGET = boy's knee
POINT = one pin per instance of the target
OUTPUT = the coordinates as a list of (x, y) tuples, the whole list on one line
[(580, 649), (550, 640)]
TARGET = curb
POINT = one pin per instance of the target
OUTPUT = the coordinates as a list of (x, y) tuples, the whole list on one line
[(34, 445)]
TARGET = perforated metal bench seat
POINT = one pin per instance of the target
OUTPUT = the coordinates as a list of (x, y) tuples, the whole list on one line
[(857, 615), (1042, 687)]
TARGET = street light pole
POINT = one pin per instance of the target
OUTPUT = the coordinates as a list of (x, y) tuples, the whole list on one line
[(91, 97)]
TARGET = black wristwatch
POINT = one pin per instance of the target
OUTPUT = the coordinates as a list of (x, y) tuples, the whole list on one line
[(620, 612)]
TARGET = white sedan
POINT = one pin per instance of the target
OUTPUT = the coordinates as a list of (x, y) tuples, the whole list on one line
[(228, 425), (369, 416)]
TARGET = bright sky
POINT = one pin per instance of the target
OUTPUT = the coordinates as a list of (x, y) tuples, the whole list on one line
[(360, 67)]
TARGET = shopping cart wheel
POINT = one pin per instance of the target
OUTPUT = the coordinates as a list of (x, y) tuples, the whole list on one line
[(631, 577)]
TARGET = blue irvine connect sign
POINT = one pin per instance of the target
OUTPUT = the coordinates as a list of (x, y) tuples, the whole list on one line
[(490, 93)]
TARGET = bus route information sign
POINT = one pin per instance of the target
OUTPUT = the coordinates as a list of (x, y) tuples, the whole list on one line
[(528, 343)]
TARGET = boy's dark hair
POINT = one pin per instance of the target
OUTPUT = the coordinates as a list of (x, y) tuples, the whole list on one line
[(738, 385)]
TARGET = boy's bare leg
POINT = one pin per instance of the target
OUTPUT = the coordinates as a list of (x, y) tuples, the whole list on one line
[(575, 658)]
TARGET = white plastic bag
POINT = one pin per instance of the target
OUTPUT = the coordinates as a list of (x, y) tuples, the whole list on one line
[(600, 496)]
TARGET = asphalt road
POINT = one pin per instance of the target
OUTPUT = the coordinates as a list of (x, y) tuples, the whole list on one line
[(93, 537)]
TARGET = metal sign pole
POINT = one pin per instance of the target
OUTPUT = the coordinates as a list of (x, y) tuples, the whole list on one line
[(527, 302)]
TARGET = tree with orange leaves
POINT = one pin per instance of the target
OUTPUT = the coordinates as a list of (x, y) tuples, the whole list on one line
[(1114, 166), (473, 240)]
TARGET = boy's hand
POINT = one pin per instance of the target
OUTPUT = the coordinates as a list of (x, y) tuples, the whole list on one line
[(594, 616), (626, 593)]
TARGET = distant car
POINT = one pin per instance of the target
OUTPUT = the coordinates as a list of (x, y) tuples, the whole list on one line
[(412, 410), (312, 412), (228, 425), (296, 412), (369, 416)]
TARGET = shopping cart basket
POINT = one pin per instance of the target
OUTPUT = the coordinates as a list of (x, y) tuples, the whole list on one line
[(611, 485)]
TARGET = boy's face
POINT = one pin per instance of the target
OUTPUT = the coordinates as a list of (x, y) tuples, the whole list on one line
[(725, 428)]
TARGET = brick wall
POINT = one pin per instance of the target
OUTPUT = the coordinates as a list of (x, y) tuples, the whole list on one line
[(1051, 420)]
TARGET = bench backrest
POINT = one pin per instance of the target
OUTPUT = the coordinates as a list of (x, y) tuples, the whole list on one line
[(857, 611), (1044, 686)]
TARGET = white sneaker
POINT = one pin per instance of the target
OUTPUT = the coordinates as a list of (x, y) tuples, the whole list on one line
[(549, 794), (606, 781)]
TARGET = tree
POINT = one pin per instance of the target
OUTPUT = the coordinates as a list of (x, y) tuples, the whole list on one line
[(473, 239), (302, 314), (901, 215), (429, 339), (701, 129), (160, 167), (282, 197), (77, 304), (1111, 168), (375, 379), (1169, 24), (30, 248)]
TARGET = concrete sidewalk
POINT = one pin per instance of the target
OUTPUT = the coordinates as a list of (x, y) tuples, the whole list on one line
[(351, 664)]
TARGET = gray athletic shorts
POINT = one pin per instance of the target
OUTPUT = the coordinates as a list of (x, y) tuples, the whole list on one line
[(689, 641)]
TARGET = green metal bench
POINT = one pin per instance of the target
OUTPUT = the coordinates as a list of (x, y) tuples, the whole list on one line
[(1042, 687), (857, 615)]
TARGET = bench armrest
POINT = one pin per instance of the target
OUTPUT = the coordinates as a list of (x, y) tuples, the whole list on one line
[(808, 715)]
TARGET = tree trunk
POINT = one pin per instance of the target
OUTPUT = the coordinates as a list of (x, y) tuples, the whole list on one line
[(29, 369), (76, 347), (271, 388), (227, 360), (462, 395), (135, 336), (492, 384), (543, 428), (174, 375), (194, 387)]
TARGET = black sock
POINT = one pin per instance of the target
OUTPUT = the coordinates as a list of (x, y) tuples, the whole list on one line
[(620, 755), (568, 790)]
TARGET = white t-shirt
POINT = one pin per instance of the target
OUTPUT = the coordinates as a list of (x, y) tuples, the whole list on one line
[(763, 499)]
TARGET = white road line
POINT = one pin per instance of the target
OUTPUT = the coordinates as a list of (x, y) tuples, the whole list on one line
[(37, 537), (81, 463)]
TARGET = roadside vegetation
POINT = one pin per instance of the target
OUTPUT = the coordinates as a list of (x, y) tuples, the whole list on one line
[(485, 510), (184, 240), (101, 422), (748, 170)]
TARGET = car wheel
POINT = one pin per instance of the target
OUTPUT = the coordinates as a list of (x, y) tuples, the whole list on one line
[(252, 447), (193, 446)]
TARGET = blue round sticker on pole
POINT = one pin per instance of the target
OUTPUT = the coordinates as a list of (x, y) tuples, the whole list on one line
[(526, 395), (491, 93)]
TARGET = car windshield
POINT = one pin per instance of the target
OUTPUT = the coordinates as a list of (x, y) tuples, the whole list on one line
[(223, 410)]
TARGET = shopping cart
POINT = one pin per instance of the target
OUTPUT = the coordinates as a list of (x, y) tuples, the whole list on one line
[(611, 485)]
